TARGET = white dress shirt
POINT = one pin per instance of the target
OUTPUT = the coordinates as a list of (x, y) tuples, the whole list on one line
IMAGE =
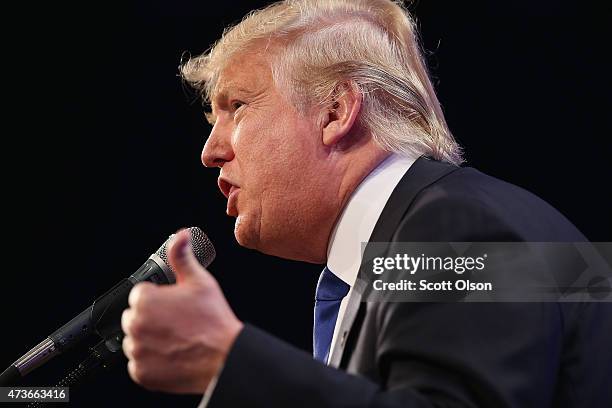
[(357, 221)]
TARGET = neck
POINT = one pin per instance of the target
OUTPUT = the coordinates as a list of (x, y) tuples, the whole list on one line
[(346, 171), (353, 168), (356, 171)]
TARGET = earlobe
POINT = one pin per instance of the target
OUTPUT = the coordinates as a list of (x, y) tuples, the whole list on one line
[(342, 114)]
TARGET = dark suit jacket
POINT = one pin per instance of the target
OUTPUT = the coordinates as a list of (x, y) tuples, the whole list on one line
[(441, 354)]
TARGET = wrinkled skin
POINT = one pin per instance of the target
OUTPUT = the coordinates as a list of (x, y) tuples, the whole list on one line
[(288, 175)]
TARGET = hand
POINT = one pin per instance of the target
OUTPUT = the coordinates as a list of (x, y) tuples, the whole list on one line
[(177, 337)]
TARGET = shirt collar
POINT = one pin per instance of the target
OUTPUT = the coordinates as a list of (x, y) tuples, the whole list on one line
[(360, 214)]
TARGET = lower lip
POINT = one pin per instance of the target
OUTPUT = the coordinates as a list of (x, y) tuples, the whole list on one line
[(231, 202)]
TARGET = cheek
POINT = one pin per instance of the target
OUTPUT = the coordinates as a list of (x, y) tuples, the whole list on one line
[(262, 151), (277, 158)]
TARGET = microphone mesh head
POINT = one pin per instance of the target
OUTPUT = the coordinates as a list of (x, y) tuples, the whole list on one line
[(201, 246)]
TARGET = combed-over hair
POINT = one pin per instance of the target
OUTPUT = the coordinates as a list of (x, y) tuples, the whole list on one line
[(320, 46)]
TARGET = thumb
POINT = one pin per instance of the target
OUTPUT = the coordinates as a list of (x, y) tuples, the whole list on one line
[(182, 260)]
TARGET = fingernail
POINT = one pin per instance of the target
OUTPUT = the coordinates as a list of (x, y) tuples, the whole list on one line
[(183, 247)]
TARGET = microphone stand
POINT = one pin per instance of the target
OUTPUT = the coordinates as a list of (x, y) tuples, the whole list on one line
[(102, 356)]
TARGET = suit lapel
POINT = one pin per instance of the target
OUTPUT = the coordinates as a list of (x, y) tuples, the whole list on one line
[(423, 173)]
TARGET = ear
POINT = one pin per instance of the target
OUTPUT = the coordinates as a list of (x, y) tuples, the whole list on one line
[(341, 114)]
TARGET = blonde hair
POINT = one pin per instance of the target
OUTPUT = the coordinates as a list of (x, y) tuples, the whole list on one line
[(319, 47)]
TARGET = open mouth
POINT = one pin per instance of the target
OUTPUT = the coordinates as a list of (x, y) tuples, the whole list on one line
[(230, 191), (226, 187)]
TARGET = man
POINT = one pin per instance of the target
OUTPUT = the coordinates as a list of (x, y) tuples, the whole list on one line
[(328, 133)]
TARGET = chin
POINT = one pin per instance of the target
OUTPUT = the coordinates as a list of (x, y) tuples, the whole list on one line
[(245, 234), (250, 234)]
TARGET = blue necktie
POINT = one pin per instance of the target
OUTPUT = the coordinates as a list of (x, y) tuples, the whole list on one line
[(330, 291)]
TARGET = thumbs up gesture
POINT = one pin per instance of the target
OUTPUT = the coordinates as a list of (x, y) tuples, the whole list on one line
[(177, 337)]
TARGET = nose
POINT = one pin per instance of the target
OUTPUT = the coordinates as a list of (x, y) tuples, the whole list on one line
[(218, 148)]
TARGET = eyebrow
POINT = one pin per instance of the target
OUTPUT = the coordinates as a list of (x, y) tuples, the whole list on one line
[(223, 93)]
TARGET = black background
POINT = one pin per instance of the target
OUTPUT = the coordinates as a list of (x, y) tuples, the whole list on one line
[(102, 144)]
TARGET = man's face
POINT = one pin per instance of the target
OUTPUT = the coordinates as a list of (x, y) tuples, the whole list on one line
[(273, 163)]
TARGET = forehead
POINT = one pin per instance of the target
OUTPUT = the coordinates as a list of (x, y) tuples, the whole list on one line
[(244, 72)]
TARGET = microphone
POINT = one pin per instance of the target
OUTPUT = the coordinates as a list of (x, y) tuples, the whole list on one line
[(103, 317)]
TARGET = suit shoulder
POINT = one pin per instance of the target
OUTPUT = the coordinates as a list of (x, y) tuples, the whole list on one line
[(467, 204)]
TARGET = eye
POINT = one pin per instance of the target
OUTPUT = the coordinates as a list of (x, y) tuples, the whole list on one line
[(237, 105)]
